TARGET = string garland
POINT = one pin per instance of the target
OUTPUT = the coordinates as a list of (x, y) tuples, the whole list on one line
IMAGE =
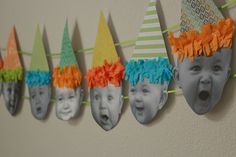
[(123, 43)]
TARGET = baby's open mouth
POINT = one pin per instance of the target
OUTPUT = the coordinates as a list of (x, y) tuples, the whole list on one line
[(204, 95), (104, 119), (39, 110), (139, 108)]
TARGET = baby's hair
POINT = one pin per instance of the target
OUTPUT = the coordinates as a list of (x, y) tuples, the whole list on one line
[(157, 71)]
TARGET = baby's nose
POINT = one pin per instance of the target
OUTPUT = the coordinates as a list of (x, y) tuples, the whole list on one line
[(206, 79), (66, 105), (103, 103), (138, 98)]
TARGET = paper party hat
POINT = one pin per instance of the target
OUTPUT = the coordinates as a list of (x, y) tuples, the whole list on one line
[(149, 59), (38, 73), (67, 74), (106, 65), (67, 54), (203, 30), (150, 42), (12, 69)]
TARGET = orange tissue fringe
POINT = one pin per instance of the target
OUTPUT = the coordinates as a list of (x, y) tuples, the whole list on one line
[(108, 73), (68, 77), (206, 42)]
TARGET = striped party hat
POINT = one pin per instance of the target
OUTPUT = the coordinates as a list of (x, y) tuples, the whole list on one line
[(203, 30), (67, 74), (149, 59), (12, 68), (150, 42), (39, 73), (106, 65)]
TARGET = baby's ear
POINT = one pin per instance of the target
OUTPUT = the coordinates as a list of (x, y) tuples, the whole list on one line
[(164, 95), (229, 73), (49, 90), (80, 91), (121, 103), (176, 76)]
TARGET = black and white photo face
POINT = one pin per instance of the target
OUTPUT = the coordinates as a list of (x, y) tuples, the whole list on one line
[(68, 102), (203, 80), (146, 100), (106, 104), (11, 94), (39, 100)]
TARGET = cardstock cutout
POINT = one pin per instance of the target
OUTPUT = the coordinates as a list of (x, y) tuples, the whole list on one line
[(106, 65), (67, 79), (204, 51), (67, 75), (12, 60), (150, 42), (67, 54), (203, 30), (104, 47), (149, 71), (104, 79), (39, 59), (12, 74), (38, 79)]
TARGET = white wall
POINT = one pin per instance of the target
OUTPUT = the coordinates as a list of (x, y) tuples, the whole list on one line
[(176, 131)]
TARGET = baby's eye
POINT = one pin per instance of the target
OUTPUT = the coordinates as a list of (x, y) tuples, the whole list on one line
[(96, 97), (9, 90), (110, 97), (217, 68), (71, 96), (145, 91), (132, 90), (40, 93), (33, 96), (60, 99), (195, 68)]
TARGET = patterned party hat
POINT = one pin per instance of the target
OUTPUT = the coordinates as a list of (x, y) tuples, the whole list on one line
[(203, 30), (67, 74), (149, 59), (38, 73), (106, 65), (12, 69)]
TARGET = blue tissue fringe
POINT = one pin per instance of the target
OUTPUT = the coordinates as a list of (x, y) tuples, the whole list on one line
[(38, 78), (157, 71)]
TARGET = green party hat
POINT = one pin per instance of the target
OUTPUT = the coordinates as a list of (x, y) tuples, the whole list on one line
[(67, 54), (39, 59), (195, 13), (150, 42)]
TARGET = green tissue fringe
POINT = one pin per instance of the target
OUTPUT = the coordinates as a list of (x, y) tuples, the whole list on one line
[(11, 75)]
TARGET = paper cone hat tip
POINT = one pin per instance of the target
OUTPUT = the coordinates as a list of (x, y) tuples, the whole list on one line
[(12, 59), (150, 42), (104, 47), (67, 54), (38, 59)]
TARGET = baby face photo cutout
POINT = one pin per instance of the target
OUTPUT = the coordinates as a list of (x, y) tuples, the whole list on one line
[(38, 79), (104, 79), (149, 71), (204, 54), (67, 79), (12, 75)]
